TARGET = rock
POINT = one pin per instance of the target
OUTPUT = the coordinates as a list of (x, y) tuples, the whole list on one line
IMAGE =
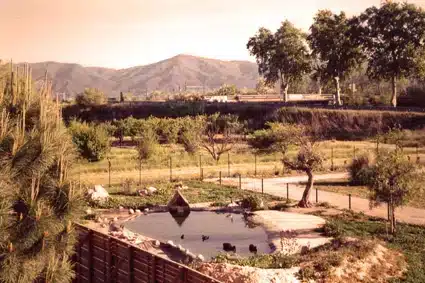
[(232, 204), (89, 211), (170, 243), (157, 243), (200, 257), (103, 225), (121, 208), (151, 190), (185, 187), (115, 219), (114, 227), (98, 220), (131, 211), (105, 220), (142, 193), (98, 193), (180, 248), (146, 210), (138, 211)]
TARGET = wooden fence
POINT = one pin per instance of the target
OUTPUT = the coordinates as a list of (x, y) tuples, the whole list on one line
[(100, 258)]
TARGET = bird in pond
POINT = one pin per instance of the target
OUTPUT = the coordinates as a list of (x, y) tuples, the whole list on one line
[(229, 216), (182, 236), (204, 238), (252, 248)]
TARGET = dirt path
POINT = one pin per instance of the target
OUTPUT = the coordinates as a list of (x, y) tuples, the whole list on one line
[(277, 186)]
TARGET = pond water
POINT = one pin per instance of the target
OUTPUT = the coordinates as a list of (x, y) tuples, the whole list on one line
[(218, 226)]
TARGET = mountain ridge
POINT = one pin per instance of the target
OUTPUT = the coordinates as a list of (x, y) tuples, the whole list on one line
[(172, 74)]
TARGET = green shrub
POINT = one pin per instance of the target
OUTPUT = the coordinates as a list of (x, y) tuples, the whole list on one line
[(360, 170), (147, 146), (92, 141), (333, 229), (253, 203), (91, 97), (261, 140)]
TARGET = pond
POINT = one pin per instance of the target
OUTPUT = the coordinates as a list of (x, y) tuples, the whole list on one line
[(220, 227)]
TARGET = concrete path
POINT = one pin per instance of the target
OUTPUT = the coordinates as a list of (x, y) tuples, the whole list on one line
[(278, 187)]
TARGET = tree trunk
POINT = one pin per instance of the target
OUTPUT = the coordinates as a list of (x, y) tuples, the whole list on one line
[(319, 85), (305, 201), (338, 92), (394, 89), (283, 88), (285, 92)]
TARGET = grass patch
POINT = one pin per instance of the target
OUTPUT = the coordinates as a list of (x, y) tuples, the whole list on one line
[(197, 192)]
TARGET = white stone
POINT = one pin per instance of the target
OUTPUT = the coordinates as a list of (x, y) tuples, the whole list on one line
[(157, 243), (131, 211), (200, 257), (138, 211), (98, 220), (232, 204), (115, 219), (89, 211), (151, 190), (103, 225), (170, 243), (121, 208), (146, 210), (98, 193), (185, 187), (180, 248)]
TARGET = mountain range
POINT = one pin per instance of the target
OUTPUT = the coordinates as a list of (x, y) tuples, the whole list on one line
[(179, 72)]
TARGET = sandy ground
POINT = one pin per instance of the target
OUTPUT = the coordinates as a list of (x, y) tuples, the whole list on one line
[(302, 226), (277, 187)]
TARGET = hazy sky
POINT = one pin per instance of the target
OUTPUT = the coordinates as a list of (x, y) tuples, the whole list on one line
[(124, 33)]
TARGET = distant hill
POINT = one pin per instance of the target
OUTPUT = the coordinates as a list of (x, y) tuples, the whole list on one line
[(167, 75)]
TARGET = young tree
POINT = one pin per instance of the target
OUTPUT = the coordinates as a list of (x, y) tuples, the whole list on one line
[(91, 97), (261, 87), (283, 56), (308, 159), (332, 42), (219, 134), (38, 201), (227, 90), (394, 39), (395, 181)]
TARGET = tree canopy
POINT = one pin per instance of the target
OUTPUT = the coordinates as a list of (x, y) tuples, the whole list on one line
[(282, 56), (91, 97), (334, 45), (394, 39)]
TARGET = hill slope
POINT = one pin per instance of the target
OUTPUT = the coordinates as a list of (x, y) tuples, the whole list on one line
[(169, 75)]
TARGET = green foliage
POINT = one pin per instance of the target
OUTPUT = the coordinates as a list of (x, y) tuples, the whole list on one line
[(38, 203), (147, 146), (282, 56), (91, 97), (227, 90), (360, 170), (191, 133), (269, 261), (394, 57), (262, 140), (334, 44), (91, 140), (253, 203)]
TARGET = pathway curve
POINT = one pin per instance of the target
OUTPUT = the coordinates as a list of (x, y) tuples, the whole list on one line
[(277, 187)]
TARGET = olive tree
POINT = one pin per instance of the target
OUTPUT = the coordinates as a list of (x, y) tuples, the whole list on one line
[(282, 56), (394, 181), (281, 137)]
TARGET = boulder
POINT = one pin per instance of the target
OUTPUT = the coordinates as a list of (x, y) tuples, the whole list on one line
[(151, 190), (99, 193), (131, 211)]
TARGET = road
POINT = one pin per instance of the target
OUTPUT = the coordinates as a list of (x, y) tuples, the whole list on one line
[(277, 187)]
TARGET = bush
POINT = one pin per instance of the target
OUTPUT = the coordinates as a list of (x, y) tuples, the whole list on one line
[(92, 141), (91, 97), (261, 140), (253, 203), (360, 170), (147, 146), (333, 229)]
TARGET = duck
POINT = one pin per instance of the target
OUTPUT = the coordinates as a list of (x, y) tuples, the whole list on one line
[(182, 236), (229, 216), (204, 238), (229, 248), (252, 248)]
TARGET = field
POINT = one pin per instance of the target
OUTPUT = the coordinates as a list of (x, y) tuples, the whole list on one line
[(125, 167)]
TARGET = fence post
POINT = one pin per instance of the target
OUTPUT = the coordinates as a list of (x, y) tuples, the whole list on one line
[(200, 166), (255, 164), (262, 186), (228, 164), (287, 192), (240, 181), (220, 177), (109, 171), (354, 152), (349, 201), (140, 172), (317, 195), (332, 159), (201, 177), (171, 169)]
